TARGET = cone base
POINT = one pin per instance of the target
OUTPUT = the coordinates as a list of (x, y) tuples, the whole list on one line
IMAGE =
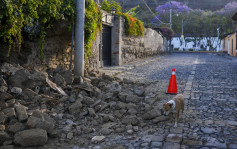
[(171, 93)]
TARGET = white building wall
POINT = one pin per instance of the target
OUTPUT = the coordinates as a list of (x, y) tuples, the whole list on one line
[(190, 45)]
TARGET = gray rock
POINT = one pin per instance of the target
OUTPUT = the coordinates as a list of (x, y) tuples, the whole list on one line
[(133, 99), (19, 78), (3, 88), (156, 144), (114, 87), (214, 142), (160, 119), (190, 142), (91, 112), (7, 147), (150, 100), (67, 128), (70, 122), (98, 139), (233, 146), (158, 138), (35, 79), (10, 113), (72, 98), (3, 137), (131, 106), (96, 103), (171, 145), (16, 127), (42, 121), (130, 132), (16, 90), (70, 135), (232, 123), (5, 96), (59, 80), (135, 128), (105, 131), (31, 138), (122, 96), (3, 82), (88, 101), (120, 105), (21, 112), (9, 142), (151, 114), (139, 90), (9, 68), (30, 93), (120, 130), (208, 130), (78, 130), (174, 138), (130, 120), (67, 75), (75, 107), (132, 111), (3, 118), (108, 125)]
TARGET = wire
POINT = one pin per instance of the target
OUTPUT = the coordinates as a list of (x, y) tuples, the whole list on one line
[(153, 13)]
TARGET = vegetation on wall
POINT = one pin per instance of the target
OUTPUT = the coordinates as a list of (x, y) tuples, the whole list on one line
[(133, 26), (34, 17), (93, 25), (108, 5)]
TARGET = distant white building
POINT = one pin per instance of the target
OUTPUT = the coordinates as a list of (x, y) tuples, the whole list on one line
[(188, 44)]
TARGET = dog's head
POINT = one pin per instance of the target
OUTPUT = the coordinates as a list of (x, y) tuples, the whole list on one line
[(167, 107)]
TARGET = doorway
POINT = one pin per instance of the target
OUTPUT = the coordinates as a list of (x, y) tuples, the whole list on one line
[(106, 46)]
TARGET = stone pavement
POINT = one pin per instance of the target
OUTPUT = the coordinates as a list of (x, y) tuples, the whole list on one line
[(209, 84)]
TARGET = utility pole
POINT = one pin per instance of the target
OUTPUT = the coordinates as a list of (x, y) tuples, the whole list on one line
[(170, 16), (79, 38), (170, 25)]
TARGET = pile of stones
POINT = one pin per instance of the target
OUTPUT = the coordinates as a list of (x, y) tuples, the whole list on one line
[(39, 108)]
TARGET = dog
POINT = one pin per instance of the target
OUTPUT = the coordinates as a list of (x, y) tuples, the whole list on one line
[(174, 106)]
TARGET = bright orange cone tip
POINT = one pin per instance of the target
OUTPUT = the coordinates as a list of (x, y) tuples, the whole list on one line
[(172, 89)]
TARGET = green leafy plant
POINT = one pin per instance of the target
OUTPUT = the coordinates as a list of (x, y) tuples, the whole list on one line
[(133, 26), (108, 5), (132, 11), (16, 15), (93, 25), (39, 15)]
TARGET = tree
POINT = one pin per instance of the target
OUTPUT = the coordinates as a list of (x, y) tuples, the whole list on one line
[(178, 12)]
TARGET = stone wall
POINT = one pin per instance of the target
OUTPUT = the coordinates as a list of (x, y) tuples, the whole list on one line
[(135, 48), (57, 48), (57, 52)]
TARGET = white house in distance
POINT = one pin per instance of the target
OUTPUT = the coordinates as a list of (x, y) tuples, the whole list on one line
[(188, 44)]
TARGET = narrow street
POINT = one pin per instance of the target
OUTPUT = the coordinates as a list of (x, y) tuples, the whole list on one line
[(208, 83)]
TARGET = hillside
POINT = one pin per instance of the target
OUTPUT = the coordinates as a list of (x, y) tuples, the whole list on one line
[(195, 4), (146, 16)]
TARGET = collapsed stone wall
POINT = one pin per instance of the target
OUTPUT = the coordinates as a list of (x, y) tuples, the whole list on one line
[(135, 48)]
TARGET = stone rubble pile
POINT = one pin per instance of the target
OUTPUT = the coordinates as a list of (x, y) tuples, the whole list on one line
[(36, 107)]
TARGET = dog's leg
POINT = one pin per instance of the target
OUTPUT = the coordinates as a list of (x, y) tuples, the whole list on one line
[(176, 119), (171, 116)]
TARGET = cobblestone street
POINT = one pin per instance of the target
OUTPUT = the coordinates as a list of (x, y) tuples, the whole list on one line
[(208, 83)]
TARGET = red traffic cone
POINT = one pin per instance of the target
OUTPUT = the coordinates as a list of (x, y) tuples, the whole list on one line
[(172, 89)]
